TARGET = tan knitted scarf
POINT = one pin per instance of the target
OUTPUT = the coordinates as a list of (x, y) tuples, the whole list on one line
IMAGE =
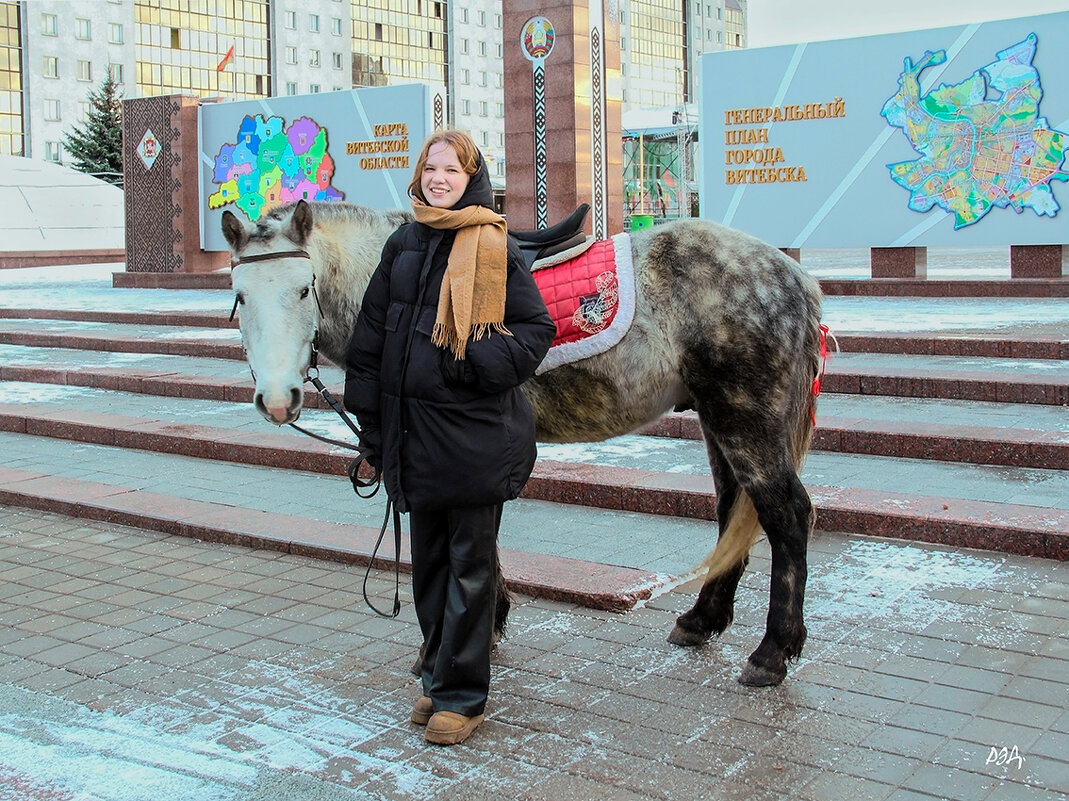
[(472, 301)]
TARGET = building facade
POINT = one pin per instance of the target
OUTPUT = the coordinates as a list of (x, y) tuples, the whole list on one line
[(54, 52)]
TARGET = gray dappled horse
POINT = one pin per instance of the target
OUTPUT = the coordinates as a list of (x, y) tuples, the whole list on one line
[(724, 324)]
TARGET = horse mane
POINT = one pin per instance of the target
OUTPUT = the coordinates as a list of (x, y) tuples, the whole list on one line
[(330, 214), (345, 246)]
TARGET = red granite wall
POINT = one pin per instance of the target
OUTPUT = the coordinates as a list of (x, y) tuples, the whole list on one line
[(162, 202), (568, 126)]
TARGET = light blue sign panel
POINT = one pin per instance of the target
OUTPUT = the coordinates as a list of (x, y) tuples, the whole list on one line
[(951, 136), (358, 145)]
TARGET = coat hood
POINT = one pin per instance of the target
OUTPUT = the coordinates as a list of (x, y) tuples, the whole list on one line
[(479, 192)]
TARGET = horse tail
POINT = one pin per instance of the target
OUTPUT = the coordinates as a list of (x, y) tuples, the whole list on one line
[(737, 539)]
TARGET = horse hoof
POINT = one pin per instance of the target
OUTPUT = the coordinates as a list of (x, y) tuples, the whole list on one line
[(686, 637), (756, 676)]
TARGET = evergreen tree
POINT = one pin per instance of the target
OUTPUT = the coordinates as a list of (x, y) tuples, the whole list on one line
[(95, 146)]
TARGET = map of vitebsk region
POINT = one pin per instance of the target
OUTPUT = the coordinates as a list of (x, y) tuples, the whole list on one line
[(270, 165), (983, 142)]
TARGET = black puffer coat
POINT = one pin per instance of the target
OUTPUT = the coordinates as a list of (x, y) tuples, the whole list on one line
[(450, 433)]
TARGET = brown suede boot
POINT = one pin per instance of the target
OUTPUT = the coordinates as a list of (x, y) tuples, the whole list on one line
[(449, 728), (422, 711)]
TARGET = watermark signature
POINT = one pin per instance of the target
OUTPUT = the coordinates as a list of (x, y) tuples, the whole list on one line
[(1005, 757)]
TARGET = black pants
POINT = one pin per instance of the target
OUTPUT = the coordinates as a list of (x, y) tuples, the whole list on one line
[(454, 578)]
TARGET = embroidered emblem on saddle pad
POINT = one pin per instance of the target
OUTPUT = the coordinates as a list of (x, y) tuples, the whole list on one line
[(591, 298)]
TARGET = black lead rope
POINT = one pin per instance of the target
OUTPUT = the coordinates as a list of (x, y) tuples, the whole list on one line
[(396, 562), (359, 484)]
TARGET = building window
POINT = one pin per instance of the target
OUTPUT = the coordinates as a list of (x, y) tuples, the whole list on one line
[(463, 47), (53, 152), (480, 17), (48, 24), (465, 77), (85, 71), (336, 60), (291, 55), (50, 67), (313, 58), (291, 87), (51, 110), (378, 31), (291, 20), (335, 26), (82, 29), (313, 23), (314, 89), (117, 73), (482, 79), (115, 33), (483, 108), (176, 39), (482, 48), (465, 106)]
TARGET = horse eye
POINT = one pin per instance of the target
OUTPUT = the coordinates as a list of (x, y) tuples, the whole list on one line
[(304, 293)]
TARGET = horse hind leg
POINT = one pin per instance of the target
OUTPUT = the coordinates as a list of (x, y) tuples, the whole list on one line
[(714, 608), (787, 516), (760, 444)]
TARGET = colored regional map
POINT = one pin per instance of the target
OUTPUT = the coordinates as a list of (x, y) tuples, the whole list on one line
[(982, 141), (269, 166)]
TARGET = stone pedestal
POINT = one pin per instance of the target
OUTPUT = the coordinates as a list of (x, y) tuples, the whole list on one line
[(1038, 261), (898, 262), (562, 113), (162, 199)]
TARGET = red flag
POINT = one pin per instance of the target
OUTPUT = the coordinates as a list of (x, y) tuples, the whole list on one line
[(226, 59)]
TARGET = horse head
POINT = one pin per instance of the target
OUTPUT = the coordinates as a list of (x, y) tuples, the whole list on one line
[(274, 291)]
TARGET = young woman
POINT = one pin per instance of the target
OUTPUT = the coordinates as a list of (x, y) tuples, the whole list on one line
[(450, 326)]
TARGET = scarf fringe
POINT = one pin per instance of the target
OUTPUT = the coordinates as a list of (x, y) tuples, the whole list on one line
[(445, 336)]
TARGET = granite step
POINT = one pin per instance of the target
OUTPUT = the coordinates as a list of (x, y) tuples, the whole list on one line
[(1032, 380), (1019, 510), (983, 432), (1040, 344)]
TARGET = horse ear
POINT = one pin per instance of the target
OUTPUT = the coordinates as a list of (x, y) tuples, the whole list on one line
[(300, 223), (234, 232)]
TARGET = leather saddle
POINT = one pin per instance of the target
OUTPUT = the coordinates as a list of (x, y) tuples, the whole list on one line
[(546, 242)]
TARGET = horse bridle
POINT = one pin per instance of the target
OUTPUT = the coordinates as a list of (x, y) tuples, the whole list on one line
[(362, 449)]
